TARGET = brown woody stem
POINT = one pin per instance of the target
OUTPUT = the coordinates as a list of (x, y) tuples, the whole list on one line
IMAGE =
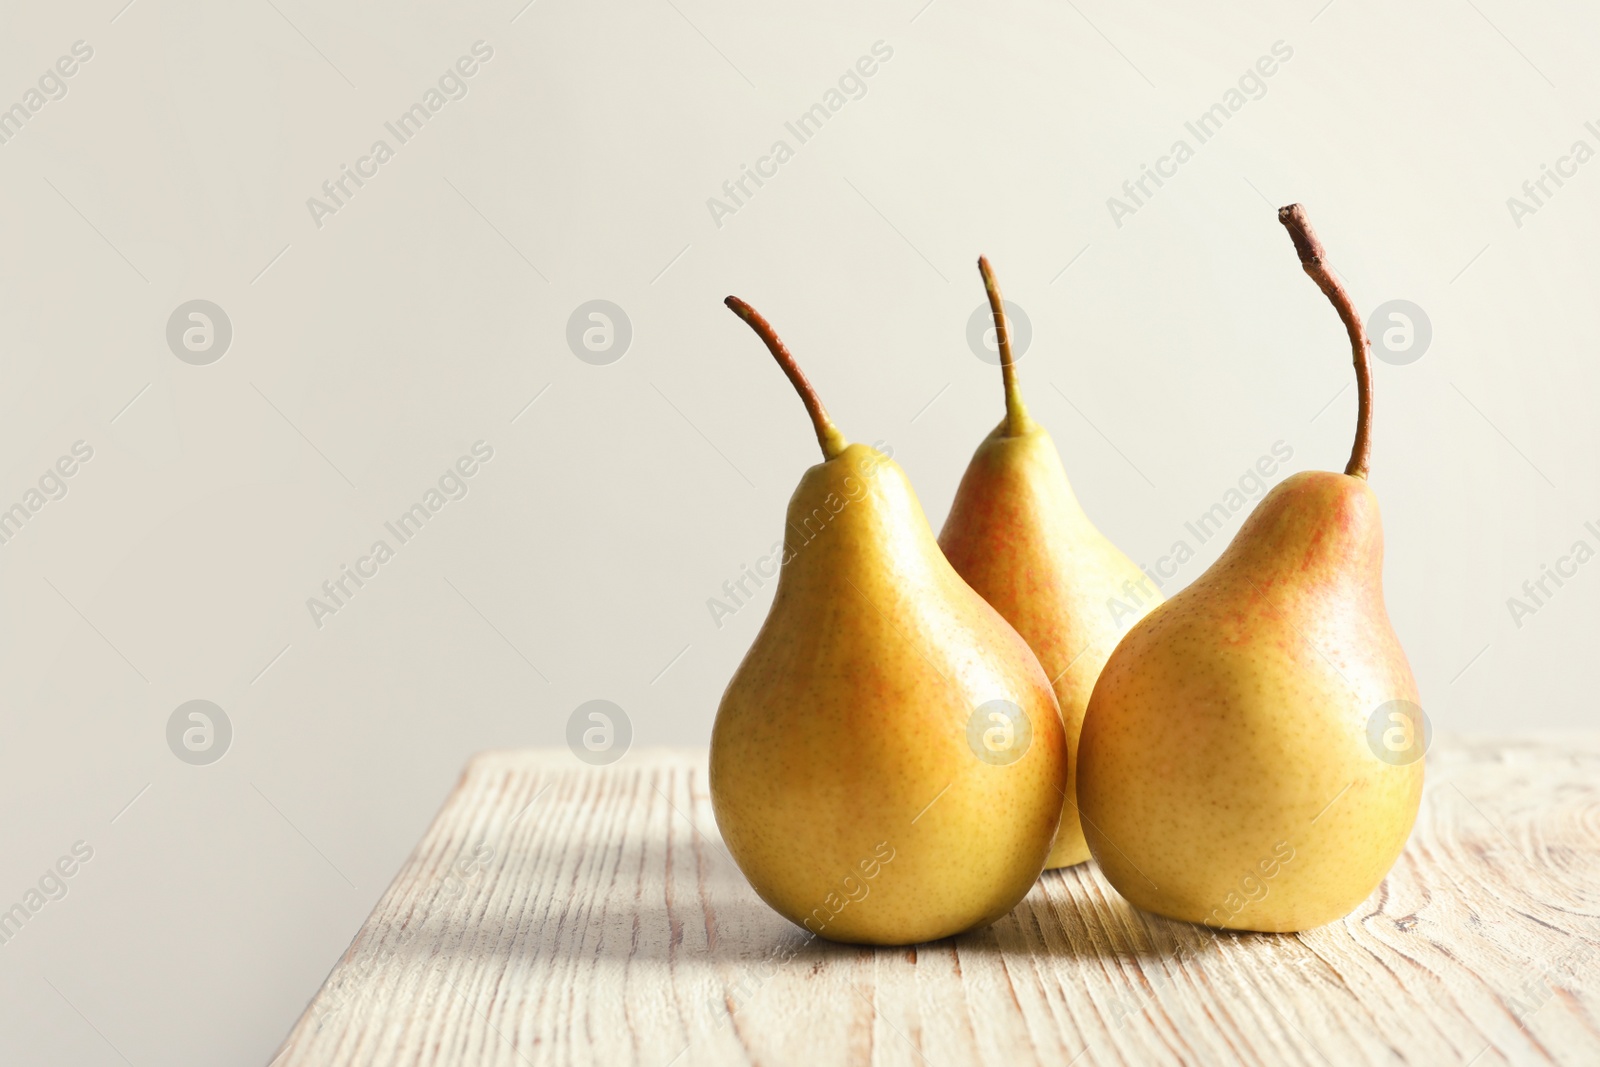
[(828, 436), (1017, 421), (1306, 244)]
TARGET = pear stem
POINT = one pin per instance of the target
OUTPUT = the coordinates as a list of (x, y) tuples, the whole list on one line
[(1017, 421), (828, 436), (1310, 249)]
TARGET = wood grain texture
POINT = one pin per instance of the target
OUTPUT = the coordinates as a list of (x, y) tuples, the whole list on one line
[(556, 913)]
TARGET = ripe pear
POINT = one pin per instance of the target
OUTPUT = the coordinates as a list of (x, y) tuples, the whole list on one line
[(1017, 534), (1251, 757), (888, 762)]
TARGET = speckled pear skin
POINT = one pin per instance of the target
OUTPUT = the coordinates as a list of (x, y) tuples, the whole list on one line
[(1229, 728), (1017, 534), (848, 718)]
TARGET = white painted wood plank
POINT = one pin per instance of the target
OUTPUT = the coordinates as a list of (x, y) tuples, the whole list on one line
[(558, 913)]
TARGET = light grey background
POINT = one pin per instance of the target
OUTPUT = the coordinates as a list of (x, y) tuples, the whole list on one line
[(368, 354)]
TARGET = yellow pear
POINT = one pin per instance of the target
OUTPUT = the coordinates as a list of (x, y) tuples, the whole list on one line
[(888, 762), (1251, 756), (1017, 534)]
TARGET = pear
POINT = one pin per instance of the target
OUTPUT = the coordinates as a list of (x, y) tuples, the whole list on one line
[(888, 761), (1251, 756), (1017, 534)]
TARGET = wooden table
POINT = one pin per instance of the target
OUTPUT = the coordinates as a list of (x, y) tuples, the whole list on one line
[(560, 913)]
